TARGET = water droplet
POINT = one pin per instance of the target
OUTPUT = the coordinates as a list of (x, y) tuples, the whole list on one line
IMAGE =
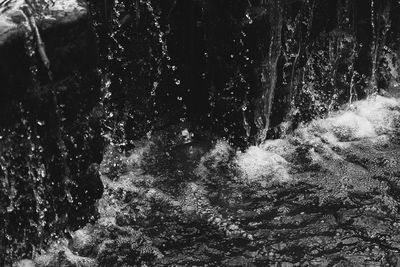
[(249, 20), (107, 84)]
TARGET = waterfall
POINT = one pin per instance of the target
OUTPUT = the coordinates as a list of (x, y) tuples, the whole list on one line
[(244, 125)]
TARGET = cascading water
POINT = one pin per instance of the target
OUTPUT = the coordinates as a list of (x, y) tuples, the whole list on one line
[(188, 95)]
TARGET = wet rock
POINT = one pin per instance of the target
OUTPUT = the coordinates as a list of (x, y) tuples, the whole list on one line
[(53, 14), (69, 46)]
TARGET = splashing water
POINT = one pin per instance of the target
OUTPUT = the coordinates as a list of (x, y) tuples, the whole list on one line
[(365, 119), (280, 201), (263, 166)]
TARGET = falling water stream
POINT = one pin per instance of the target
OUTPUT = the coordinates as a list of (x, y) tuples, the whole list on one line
[(234, 137)]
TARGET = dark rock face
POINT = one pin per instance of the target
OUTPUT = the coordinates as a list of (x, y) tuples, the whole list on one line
[(241, 68), (50, 141)]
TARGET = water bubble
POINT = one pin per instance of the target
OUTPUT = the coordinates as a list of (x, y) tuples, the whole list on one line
[(177, 82), (179, 98)]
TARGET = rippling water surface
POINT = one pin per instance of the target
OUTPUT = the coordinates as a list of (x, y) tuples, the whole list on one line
[(326, 195)]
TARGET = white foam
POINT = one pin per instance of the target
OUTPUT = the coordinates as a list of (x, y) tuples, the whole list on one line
[(364, 119), (260, 165), (349, 126), (219, 154)]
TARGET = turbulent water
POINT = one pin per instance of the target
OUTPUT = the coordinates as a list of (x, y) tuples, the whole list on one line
[(326, 195)]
